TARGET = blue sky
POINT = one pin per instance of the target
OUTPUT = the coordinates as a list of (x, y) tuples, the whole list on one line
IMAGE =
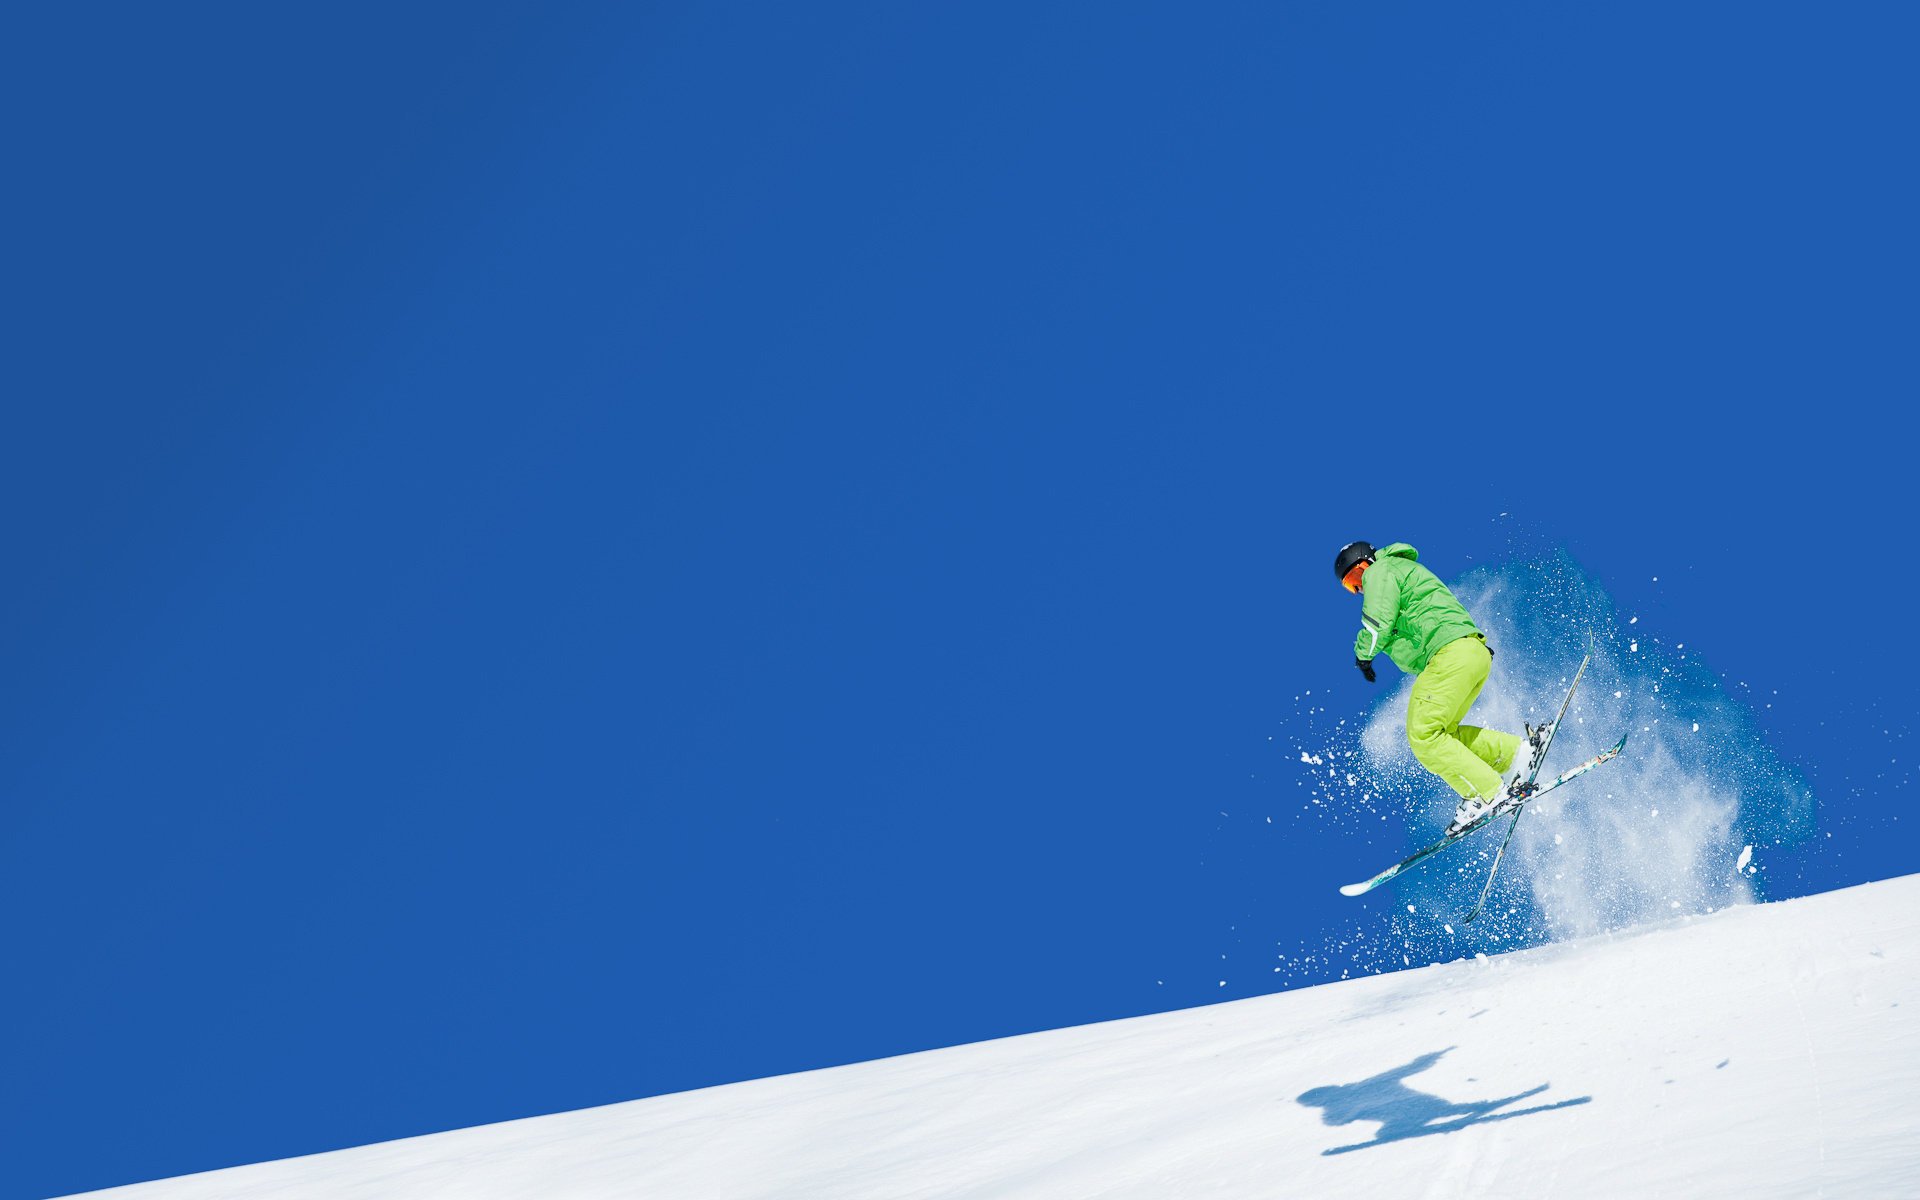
[(561, 557)]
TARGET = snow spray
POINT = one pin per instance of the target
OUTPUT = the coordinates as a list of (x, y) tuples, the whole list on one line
[(1668, 829)]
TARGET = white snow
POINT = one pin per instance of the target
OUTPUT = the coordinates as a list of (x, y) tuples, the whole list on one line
[(1762, 1051)]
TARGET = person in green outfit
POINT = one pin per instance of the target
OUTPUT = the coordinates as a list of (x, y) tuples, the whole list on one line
[(1408, 614)]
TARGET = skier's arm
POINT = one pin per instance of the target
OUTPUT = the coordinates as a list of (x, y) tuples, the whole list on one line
[(1379, 605)]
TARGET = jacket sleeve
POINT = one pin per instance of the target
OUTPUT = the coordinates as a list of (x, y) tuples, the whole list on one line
[(1379, 605)]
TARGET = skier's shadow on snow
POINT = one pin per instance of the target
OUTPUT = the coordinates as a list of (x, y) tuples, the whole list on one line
[(1405, 1113)]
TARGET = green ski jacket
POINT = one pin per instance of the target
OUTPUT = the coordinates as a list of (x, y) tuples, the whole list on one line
[(1406, 612)]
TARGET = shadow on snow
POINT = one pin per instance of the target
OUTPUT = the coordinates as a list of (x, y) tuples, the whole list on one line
[(1405, 1113)]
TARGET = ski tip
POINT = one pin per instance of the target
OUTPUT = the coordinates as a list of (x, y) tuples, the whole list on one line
[(1356, 889)]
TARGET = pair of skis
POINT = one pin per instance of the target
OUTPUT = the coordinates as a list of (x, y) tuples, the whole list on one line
[(1512, 807)]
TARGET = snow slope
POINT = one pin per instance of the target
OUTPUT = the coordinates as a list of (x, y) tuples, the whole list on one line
[(1769, 1050)]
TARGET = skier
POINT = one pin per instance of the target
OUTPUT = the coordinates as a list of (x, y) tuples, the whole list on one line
[(1408, 613)]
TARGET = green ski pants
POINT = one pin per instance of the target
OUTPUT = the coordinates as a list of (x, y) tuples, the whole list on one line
[(1470, 759)]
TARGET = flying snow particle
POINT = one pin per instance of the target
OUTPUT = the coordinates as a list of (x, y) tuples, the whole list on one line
[(1409, 908), (1696, 727), (1746, 856), (1633, 620), (1634, 646)]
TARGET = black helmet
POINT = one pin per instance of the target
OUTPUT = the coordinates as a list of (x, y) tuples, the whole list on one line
[(1350, 554)]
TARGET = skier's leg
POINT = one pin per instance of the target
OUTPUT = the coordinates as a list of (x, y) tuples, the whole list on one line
[(1499, 750), (1441, 696)]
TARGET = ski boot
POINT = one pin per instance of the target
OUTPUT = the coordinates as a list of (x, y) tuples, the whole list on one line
[(1471, 809), (1474, 808)]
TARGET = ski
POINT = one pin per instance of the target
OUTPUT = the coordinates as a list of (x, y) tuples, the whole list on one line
[(1533, 772), (1527, 790), (1426, 852), (1570, 773), (1487, 887)]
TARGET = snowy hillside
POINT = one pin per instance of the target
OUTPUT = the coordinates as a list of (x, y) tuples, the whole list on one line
[(1761, 1051)]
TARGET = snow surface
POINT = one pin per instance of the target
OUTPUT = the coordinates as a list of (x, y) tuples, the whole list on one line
[(1762, 1051)]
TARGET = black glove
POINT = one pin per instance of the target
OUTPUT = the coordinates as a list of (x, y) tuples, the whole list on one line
[(1366, 668)]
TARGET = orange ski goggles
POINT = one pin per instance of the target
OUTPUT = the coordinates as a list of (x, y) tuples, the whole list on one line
[(1351, 581)]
